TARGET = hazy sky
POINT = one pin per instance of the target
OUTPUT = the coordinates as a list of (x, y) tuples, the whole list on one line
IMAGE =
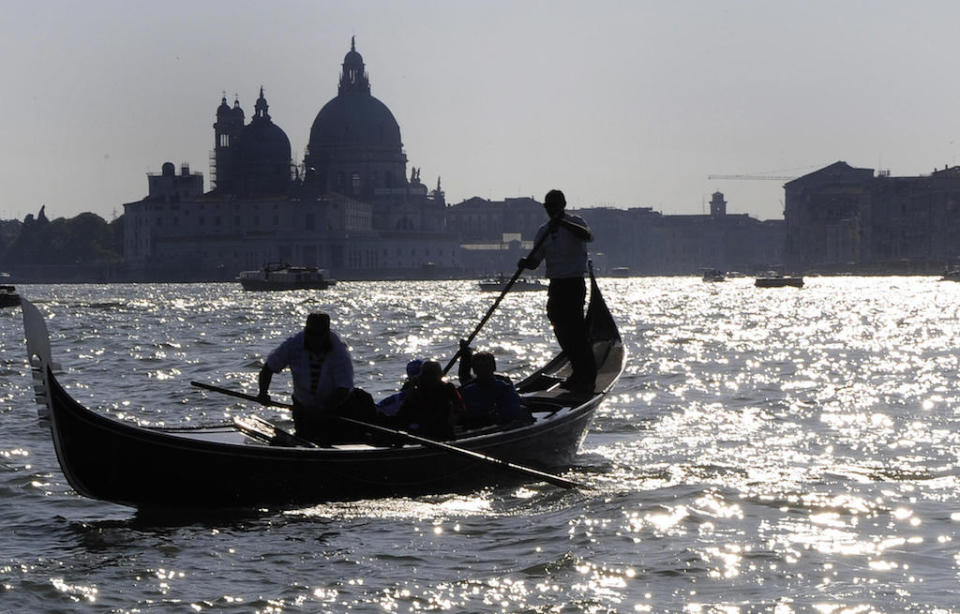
[(623, 104)]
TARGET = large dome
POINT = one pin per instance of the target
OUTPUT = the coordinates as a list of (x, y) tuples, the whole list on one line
[(355, 147), (355, 119)]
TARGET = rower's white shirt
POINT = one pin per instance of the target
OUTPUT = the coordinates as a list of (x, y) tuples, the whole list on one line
[(564, 252)]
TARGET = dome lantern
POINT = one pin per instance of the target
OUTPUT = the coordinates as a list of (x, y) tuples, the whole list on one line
[(354, 78)]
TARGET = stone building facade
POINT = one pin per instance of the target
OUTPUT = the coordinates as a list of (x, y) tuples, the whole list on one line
[(842, 218), (350, 208)]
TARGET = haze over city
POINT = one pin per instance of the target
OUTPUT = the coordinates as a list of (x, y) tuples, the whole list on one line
[(618, 103)]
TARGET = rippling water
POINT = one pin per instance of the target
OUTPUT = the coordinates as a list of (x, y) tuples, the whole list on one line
[(765, 450)]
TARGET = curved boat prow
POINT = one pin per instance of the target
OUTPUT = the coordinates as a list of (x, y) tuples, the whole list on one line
[(38, 353)]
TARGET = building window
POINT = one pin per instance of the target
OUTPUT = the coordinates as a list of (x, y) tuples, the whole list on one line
[(355, 183)]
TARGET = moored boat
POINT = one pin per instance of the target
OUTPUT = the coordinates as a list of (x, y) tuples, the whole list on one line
[(712, 275), (282, 276), (222, 466), (951, 274), (776, 280), (9, 296)]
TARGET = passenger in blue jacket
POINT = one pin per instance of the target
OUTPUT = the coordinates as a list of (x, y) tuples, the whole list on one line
[(488, 398)]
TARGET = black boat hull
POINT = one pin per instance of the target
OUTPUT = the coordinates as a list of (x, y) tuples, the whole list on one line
[(220, 467)]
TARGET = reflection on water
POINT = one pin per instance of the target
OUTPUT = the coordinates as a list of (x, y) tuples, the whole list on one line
[(766, 450)]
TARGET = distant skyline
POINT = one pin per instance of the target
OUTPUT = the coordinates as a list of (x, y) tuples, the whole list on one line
[(624, 104)]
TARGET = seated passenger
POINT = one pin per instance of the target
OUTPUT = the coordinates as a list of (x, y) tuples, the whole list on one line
[(432, 407), (391, 405), (489, 399)]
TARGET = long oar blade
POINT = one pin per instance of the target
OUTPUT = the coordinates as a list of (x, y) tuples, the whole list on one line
[(431, 443)]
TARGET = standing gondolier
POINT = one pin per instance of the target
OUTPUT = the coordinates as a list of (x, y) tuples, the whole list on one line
[(322, 372), (565, 252)]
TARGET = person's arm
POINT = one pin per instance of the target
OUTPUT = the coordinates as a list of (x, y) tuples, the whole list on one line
[(340, 364), (533, 260), (263, 380)]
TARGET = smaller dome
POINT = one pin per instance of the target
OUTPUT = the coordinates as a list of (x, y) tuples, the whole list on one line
[(264, 141), (168, 169)]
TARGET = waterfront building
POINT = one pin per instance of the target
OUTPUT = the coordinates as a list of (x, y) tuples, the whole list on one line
[(354, 208), (841, 218), (350, 208), (639, 239)]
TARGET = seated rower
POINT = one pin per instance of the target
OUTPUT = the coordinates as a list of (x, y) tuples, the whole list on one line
[(432, 407), (488, 398), (322, 371)]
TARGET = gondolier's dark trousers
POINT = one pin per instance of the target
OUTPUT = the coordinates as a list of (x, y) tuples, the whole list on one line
[(321, 426), (565, 301)]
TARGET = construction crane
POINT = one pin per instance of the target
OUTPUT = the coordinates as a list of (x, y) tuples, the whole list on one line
[(752, 177)]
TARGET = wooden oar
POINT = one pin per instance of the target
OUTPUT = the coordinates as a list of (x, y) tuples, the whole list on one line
[(430, 443), (493, 307)]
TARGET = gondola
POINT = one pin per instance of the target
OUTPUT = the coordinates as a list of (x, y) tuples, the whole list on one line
[(226, 467)]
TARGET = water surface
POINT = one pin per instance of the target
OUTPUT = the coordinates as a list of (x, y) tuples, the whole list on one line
[(765, 450)]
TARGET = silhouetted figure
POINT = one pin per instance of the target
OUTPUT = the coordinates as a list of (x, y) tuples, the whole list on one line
[(565, 252), (488, 398), (433, 406), (392, 404), (322, 372)]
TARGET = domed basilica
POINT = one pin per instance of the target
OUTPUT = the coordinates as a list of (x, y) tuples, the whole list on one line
[(349, 206)]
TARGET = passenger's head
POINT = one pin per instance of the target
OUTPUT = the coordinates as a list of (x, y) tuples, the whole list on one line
[(414, 367), (554, 202), (431, 373), (317, 332), (484, 365)]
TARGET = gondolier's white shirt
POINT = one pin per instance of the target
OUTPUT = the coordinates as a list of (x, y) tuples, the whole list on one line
[(565, 253), (336, 369)]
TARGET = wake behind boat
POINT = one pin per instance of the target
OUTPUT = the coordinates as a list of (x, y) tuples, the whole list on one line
[(229, 465), (282, 276)]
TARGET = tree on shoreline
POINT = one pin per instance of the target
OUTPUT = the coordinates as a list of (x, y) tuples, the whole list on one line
[(84, 239)]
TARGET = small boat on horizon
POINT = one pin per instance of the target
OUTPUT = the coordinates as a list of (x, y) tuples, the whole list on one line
[(523, 284), (951, 274), (711, 275), (8, 296), (778, 280), (283, 276)]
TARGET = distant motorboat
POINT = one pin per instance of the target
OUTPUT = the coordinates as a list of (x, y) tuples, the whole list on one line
[(713, 275), (523, 284), (9, 296), (777, 280), (951, 274), (282, 276)]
